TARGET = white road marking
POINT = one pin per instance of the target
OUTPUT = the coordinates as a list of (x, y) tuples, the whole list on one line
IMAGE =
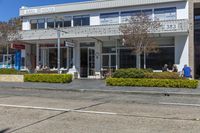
[(57, 109), (180, 104)]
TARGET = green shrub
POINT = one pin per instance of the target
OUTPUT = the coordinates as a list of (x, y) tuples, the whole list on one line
[(130, 73), (8, 71), (169, 83), (48, 78), (162, 75)]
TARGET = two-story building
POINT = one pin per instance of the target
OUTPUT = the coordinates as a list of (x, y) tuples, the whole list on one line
[(90, 40)]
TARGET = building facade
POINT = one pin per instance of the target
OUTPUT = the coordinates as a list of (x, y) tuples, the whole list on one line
[(90, 40)]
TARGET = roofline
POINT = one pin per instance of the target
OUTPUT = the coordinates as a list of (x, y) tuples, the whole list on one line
[(87, 5)]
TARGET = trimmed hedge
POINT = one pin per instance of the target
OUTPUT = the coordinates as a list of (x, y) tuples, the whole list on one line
[(144, 73), (168, 83), (162, 75), (48, 78), (12, 71), (8, 71), (130, 73)]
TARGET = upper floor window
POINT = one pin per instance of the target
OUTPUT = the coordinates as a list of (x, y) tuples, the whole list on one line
[(34, 24), (148, 13), (37, 24), (165, 13), (67, 21), (59, 23), (81, 20), (125, 16), (50, 23), (41, 23), (109, 18)]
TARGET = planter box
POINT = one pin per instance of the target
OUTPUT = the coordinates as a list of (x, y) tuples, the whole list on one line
[(11, 78)]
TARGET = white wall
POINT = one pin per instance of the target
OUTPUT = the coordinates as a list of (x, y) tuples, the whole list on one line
[(25, 24), (181, 51)]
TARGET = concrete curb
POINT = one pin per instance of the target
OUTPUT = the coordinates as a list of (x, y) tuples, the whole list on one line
[(111, 91)]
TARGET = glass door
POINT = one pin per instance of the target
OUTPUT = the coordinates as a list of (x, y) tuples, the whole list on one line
[(91, 61)]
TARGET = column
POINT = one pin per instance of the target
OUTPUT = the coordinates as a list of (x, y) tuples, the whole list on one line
[(37, 56)]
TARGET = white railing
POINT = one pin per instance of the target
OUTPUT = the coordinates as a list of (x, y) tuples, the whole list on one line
[(171, 26)]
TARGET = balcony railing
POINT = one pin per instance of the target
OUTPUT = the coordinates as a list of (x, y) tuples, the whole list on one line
[(172, 26)]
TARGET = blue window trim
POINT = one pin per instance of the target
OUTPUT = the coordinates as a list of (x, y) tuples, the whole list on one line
[(164, 9), (130, 12), (107, 14)]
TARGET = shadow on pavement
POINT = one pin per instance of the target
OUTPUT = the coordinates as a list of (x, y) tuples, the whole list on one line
[(4, 130)]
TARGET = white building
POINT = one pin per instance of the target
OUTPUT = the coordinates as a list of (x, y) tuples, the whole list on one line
[(90, 36)]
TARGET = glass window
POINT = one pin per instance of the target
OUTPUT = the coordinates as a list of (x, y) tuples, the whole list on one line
[(50, 23), (156, 61), (113, 61), (67, 22), (63, 57), (59, 22), (85, 20), (41, 23), (33, 24), (52, 58), (127, 59), (125, 16), (108, 49), (165, 13), (105, 61), (81, 20), (109, 18), (148, 13)]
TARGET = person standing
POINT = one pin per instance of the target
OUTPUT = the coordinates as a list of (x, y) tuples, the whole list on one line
[(187, 72)]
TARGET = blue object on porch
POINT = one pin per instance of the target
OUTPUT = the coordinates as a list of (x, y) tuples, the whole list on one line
[(17, 59)]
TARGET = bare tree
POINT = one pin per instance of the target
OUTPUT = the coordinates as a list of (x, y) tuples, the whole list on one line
[(137, 36), (9, 33)]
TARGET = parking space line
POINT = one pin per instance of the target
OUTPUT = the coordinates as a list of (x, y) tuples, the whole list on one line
[(57, 109), (180, 104)]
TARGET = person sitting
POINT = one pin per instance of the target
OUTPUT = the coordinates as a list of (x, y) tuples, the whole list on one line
[(187, 72), (165, 68), (174, 68)]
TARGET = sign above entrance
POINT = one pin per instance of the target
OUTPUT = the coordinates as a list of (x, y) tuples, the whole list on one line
[(17, 46)]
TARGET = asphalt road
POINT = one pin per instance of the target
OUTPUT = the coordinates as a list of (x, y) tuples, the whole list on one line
[(43, 111)]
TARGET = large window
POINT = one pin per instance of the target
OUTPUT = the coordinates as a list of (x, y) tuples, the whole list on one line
[(125, 16), (81, 20), (156, 61), (148, 13), (127, 59), (109, 18), (37, 24), (67, 21), (50, 23), (59, 23), (41, 23), (165, 13), (33, 24)]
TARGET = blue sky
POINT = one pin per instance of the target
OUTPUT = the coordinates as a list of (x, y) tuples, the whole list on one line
[(10, 8)]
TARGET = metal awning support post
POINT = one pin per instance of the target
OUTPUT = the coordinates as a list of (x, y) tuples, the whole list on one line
[(58, 49)]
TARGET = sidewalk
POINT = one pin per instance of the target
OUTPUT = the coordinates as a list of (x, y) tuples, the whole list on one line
[(99, 86)]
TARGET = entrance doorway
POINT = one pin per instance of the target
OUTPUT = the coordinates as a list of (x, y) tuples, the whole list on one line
[(87, 64)]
